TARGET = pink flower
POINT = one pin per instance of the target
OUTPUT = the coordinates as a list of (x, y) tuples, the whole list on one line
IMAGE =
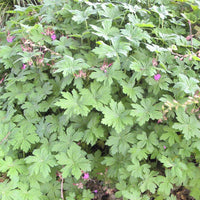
[(189, 37), (164, 147), (1, 81), (95, 191), (86, 176), (53, 37), (157, 77), (154, 62), (10, 38), (24, 66)]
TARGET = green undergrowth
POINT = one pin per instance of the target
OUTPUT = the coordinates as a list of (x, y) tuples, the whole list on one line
[(100, 92)]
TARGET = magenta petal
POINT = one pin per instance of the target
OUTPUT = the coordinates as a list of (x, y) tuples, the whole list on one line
[(53, 37), (157, 77)]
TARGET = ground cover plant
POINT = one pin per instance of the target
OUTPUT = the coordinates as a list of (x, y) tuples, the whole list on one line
[(100, 98)]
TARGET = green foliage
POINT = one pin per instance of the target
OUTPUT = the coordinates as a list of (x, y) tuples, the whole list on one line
[(99, 95), (74, 162)]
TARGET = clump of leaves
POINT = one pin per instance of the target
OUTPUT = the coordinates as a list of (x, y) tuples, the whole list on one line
[(100, 91)]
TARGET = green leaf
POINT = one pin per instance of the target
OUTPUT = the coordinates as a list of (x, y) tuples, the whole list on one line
[(188, 85), (155, 48), (112, 12), (161, 10), (115, 163), (94, 130), (138, 154), (189, 125), (30, 194), (74, 162), (170, 135), (118, 47), (107, 32), (87, 195), (149, 182), (167, 162), (122, 48), (147, 110), (149, 141), (104, 50), (137, 170), (165, 185), (68, 65), (17, 91), (13, 167), (66, 140), (9, 191), (112, 73), (81, 16), (23, 136), (117, 116), (64, 43), (120, 142), (6, 52), (41, 162), (134, 34), (97, 96), (73, 104), (133, 92)]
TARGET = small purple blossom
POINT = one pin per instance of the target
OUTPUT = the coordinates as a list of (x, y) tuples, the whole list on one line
[(157, 77), (24, 66), (86, 176), (10, 38), (164, 147), (95, 191), (53, 37)]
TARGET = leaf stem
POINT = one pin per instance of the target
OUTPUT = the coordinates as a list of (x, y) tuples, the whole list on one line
[(5, 137)]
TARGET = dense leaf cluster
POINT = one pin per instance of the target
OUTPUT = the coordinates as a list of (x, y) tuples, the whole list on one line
[(109, 88)]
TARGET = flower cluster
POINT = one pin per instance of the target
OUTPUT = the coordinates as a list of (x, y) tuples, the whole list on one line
[(105, 66), (81, 74), (50, 32), (10, 38)]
